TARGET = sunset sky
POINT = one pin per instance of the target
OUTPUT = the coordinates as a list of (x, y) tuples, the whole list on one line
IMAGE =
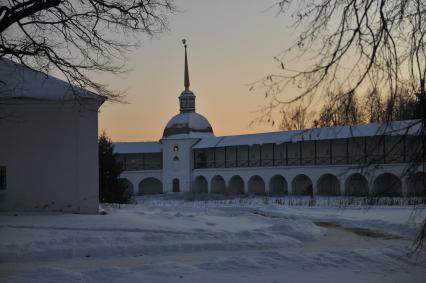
[(230, 45)]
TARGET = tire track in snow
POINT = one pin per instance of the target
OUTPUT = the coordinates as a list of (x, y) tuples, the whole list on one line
[(131, 230)]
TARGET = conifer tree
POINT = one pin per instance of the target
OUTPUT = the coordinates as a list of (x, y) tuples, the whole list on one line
[(111, 187)]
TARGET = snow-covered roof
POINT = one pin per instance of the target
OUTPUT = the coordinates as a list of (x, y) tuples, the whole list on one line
[(409, 127), (137, 147), (190, 135), (186, 125), (19, 81)]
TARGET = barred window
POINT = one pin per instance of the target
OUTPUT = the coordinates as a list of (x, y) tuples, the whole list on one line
[(2, 178)]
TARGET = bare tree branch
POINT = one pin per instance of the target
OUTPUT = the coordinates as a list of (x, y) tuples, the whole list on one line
[(77, 37), (349, 46)]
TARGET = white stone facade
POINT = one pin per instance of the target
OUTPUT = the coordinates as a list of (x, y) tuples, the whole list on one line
[(48, 147), (50, 151), (361, 160)]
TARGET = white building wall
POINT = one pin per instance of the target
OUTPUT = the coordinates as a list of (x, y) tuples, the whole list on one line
[(314, 173), (50, 151), (177, 164), (313, 168), (342, 172)]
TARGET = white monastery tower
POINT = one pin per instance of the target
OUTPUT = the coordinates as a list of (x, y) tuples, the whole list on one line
[(181, 133)]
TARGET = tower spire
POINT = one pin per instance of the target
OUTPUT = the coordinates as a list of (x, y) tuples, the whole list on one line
[(186, 98), (186, 81)]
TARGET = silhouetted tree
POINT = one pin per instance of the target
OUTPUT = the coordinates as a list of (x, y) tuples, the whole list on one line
[(295, 117), (75, 37), (346, 109), (351, 44), (111, 187), (347, 46), (339, 110)]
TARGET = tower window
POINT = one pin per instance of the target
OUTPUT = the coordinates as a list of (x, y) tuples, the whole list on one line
[(2, 177)]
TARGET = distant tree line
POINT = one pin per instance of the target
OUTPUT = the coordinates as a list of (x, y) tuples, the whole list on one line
[(352, 109)]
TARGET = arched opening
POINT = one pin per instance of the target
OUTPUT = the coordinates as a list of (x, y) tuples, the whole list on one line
[(176, 185), (388, 185), (302, 185), (236, 185), (356, 185), (328, 185), (278, 186), (200, 185), (416, 185), (256, 185), (150, 186), (217, 185)]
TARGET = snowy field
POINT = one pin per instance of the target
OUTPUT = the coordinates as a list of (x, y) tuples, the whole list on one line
[(172, 239)]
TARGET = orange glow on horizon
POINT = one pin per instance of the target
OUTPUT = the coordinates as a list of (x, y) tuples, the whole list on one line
[(229, 48)]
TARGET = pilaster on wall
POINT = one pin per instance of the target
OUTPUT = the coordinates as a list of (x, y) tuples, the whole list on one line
[(209, 186), (290, 187), (314, 187), (404, 182), (370, 186), (341, 186)]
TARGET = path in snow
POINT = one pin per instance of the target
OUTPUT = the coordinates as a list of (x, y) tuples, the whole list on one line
[(161, 240)]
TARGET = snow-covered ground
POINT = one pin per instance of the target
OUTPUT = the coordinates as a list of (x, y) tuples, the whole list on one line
[(164, 239)]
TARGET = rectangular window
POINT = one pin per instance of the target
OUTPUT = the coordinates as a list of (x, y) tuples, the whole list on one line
[(2, 178)]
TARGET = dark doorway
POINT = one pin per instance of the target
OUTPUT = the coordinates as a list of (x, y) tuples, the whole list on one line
[(176, 185)]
